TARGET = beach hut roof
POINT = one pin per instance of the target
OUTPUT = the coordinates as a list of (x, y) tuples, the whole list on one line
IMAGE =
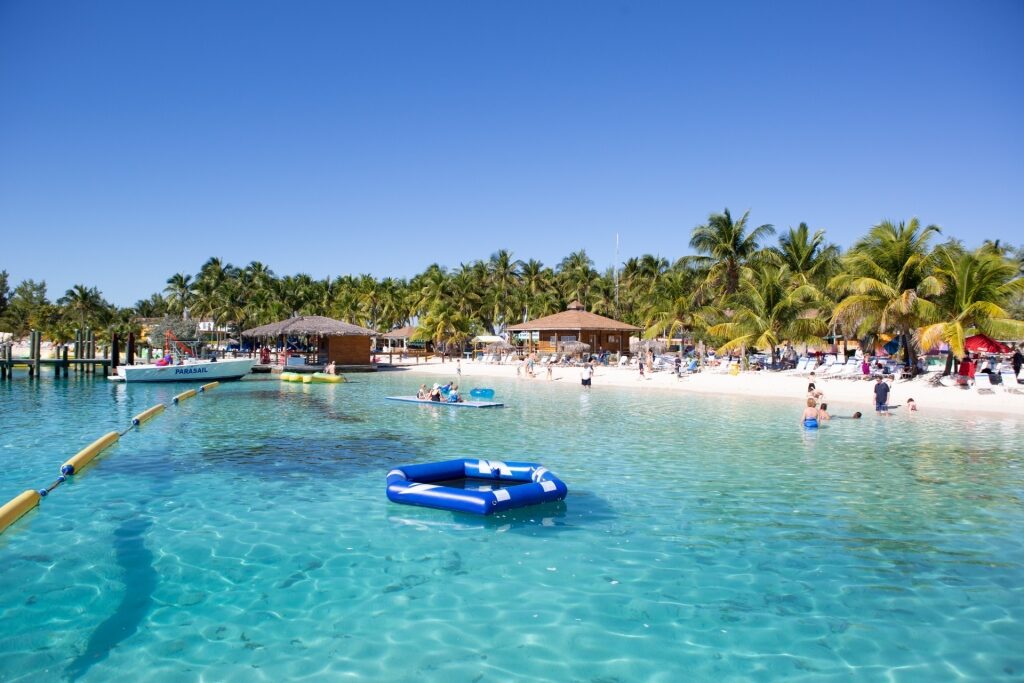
[(311, 325), (487, 339), (575, 318), (401, 333)]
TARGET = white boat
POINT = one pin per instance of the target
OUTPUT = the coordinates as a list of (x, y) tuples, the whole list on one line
[(189, 371)]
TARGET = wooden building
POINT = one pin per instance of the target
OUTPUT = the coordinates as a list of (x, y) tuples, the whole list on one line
[(334, 341), (577, 325)]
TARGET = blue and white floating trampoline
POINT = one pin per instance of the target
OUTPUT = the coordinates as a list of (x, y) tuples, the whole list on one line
[(479, 486)]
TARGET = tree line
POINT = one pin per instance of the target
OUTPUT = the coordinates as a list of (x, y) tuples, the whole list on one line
[(745, 287)]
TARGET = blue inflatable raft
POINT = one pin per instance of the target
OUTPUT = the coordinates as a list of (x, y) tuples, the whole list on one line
[(479, 486)]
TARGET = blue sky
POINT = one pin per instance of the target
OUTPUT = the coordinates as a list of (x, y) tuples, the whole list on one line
[(137, 139)]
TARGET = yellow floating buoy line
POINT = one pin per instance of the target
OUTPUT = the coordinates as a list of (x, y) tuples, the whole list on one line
[(15, 508)]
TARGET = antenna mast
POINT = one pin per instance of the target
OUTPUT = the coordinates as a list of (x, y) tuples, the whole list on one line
[(615, 268)]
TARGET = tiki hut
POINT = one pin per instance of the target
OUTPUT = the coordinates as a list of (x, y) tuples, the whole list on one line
[(577, 325), (335, 341)]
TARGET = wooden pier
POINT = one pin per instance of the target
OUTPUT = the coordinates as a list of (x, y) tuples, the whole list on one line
[(85, 361)]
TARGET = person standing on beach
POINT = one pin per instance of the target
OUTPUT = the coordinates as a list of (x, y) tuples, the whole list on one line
[(586, 375), (881, 396), (1018, 360), (458, 368)]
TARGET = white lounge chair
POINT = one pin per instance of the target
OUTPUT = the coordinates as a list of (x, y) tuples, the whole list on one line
[(983, 383), (1009, 382)]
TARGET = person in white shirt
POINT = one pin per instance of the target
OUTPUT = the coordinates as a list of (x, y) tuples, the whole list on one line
[(587, 374)]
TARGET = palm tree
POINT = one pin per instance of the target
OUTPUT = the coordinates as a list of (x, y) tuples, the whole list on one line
[(767, 310), (810, 258), (577, 275), (503, 278), (673, 309), (180, 291), (887, 283), (82, 302), (976, 287), (724, 248)]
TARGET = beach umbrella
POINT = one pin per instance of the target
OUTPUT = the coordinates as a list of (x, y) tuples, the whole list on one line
[(644, 345), (983, 343), (573, 347)]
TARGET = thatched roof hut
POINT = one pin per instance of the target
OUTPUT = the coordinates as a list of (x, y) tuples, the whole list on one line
[(310, 325), (339, 342)]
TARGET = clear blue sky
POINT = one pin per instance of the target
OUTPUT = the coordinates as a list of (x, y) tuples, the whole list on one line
[(334, 137)]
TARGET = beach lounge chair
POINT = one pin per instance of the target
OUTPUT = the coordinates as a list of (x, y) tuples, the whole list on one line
[(1009, 382), (835, 369), (983, 383), (801, 367), (623, 361)]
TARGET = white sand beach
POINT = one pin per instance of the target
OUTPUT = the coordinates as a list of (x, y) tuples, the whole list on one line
[(843, 396)]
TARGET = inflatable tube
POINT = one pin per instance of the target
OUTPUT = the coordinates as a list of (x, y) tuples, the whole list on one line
[(306, 379), (147, 414), (486, 394), (80, 459), (531, 484), (207, 387), (16, 507), (185, 394), (324, 378), (810, 423)]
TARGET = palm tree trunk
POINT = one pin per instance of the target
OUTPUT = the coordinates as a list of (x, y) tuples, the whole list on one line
[(908, 354)]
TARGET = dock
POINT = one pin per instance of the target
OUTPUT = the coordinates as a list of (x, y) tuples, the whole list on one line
[(85, 359)]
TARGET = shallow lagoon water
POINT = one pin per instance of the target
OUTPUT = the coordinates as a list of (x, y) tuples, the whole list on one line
[(245, 535)]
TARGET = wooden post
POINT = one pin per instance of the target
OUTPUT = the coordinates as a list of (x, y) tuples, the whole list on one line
[(130, 359), (64, 357), (31, 353)]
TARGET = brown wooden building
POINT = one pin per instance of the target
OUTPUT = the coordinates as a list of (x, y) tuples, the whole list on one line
[(335, 341), (576, 324)]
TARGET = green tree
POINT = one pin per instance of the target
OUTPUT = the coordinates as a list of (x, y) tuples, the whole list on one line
[(180, 291), (888, 280), (767, 310), (724, 249), (83, 303), (976, 288)]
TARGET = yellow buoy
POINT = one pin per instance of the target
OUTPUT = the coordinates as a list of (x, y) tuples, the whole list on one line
[(185, 394), (82, 457), (16, 507), (307, 379), (207, 387), (146, 414)]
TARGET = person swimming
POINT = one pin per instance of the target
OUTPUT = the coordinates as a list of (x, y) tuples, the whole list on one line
[(424, 392), (823, 415), (435, 393), (810, 417)]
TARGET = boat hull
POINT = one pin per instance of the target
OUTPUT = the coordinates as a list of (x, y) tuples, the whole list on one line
[(221, 371)]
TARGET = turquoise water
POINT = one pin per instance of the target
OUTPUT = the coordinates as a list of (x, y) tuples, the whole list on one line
[(244, 535)]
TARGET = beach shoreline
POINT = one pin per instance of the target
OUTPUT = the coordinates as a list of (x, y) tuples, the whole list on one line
[(843, 396)]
